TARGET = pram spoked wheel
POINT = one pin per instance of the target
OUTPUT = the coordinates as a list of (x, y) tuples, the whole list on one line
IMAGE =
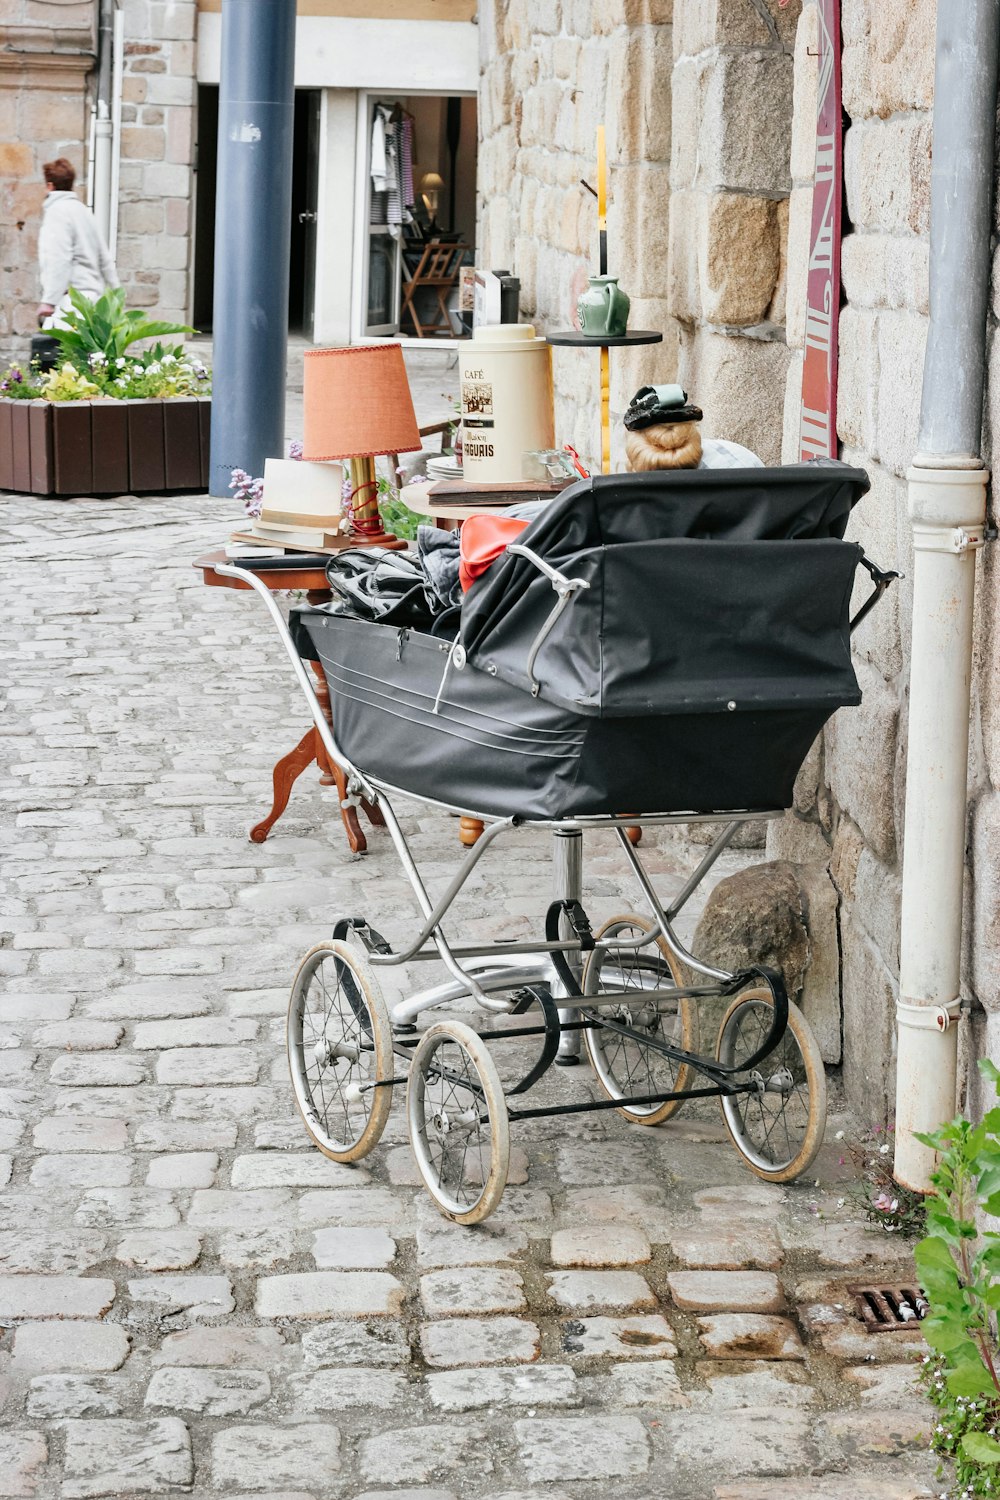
[(777, 1126), (339, 1048), (457, 1116), (625, 1065)]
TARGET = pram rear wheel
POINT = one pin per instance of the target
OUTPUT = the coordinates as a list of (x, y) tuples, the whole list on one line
[(458, 1123), (777, 1125), (626, 1065), (339, 1049)]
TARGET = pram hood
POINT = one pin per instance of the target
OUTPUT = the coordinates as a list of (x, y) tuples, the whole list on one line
[(709, 590)]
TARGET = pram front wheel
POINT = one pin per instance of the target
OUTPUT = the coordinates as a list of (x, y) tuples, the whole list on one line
[(777, 1122), (458, 1124), (339, 1051), (627, 1065)]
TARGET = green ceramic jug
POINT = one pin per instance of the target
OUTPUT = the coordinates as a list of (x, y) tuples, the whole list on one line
[(603, 309)]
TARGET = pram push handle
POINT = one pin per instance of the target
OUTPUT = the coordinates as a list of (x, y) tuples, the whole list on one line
[(565, 587)]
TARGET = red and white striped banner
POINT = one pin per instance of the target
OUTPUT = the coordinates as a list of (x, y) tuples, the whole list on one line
[(818, 421)]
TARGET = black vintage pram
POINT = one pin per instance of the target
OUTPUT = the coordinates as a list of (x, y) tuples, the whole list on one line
[(653, 648)]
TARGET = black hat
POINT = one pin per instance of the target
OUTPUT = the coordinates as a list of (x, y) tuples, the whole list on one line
[(660, 405)]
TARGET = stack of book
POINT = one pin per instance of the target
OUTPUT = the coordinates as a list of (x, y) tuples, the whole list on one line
[(302, 504)]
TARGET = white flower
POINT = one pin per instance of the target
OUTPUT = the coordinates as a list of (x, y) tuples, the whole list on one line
[(154, 368), (839, 1136), (883, 1148), (120, 364)]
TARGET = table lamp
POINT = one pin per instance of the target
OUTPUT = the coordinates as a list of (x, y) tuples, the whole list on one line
[(358, 405)]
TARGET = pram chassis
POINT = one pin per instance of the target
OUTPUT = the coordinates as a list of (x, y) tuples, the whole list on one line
[(455, 1100)]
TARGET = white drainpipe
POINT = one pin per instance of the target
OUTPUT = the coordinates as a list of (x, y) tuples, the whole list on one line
[(947, 504)]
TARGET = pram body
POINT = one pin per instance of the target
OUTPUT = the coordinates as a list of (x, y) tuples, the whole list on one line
[(699, 639), (694, 670)]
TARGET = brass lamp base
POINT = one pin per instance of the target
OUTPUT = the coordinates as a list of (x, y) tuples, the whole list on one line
[(364, 500)]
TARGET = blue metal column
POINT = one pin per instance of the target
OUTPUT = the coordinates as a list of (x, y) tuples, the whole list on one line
[(252, 236)]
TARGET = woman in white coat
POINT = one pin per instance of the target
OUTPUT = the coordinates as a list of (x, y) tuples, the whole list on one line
[(71, 251)]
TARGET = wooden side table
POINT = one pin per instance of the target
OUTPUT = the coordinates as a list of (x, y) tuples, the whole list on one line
[(310, 748)]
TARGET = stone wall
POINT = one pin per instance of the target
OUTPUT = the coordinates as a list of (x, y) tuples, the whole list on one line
[(851, 794), (730, 181), (46, 93), (156, 186), (46, 60), (552, 71)]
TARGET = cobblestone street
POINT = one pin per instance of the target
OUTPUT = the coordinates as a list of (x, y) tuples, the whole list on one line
[(192, 1299)]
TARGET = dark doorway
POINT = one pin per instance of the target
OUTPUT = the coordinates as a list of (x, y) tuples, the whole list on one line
[(305, 180)]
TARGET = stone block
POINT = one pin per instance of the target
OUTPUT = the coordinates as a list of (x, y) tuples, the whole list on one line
[(336, 1390), (49, 116), (63, 1347), (458, 1342), (888, 57), (645, 1336), (639, 77), (197, 1296), (211, 1393), (23, 1457), (143, 142), (613, 1245), (325, 1294), (869, 997), (739, 256), (756, 917), (986, 900), (797, 840), (758, 1383), (726, 1291), (353, 1249), (684, 290), (860, 761), (379, 1344), (260, 1348), (275, 1458), (160, 1251), (423, 1453), (887, 175), (441, 1244), (750, 1336), (858, 379), (58, 1396), (473, 1289), (805, 90), (797, 258), (584, 1448), (114, 1457), (744, 136), (750, 1441), (902, 337), (689, 87), (638, 215), (54, 1297), (522, 1385), (740, 384), (820, 998), (792, 423), (723, 1248), (587, 1290)]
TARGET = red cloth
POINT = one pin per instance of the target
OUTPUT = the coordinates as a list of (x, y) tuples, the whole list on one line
[(482, 541)]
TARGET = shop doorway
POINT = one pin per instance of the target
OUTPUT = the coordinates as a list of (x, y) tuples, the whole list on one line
[(302, 230), (416, 188)]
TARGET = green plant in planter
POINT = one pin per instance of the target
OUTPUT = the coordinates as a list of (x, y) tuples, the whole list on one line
[(959, 1267), (106, 328)]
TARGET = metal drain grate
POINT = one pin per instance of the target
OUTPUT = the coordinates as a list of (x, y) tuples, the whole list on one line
[(884, 1309)]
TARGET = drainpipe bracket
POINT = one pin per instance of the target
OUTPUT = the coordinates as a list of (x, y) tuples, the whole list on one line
[(928, 1017), (951, 539)]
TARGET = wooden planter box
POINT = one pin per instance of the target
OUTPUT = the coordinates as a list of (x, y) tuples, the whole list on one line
[(105, 447)]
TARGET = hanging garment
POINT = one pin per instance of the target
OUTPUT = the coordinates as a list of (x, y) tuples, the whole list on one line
[(406, 161), (394, 199), (378, 168)]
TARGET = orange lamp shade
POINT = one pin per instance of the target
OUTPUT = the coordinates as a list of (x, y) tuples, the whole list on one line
[(357, 403)]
